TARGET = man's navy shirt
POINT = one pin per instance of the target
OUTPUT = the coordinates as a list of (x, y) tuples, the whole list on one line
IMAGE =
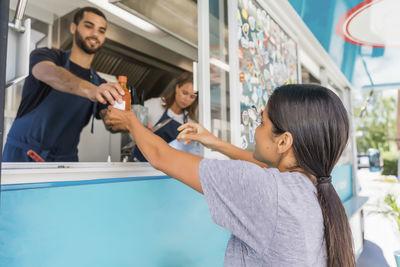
[(34, 91)]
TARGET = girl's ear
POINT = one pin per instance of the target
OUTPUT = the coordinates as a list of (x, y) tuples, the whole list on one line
[(285, 142)]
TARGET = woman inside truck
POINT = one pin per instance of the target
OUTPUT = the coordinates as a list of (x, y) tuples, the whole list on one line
[(167, 113)]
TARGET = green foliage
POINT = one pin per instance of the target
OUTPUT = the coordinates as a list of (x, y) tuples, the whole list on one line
[(389, 167), (390, 208), (389, 164), (386, 180), (394, 208), (378, 123)]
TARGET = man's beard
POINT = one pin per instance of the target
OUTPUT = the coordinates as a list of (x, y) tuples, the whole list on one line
[(82, 44)]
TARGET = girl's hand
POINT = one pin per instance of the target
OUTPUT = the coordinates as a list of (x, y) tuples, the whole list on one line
[(117, 120), (195, 132)]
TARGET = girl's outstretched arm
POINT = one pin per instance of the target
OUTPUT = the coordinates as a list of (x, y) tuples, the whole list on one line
[(195, 132), (180, 165)]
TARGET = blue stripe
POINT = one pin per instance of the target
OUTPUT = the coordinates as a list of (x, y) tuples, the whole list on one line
[(14, 187), (381, 85)]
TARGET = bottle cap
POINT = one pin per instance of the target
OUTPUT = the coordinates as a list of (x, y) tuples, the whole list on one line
[(122, 79)]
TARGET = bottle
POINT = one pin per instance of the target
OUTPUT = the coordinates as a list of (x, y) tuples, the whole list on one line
[(126, 98)]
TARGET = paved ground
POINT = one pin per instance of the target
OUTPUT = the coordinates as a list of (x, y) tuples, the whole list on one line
[(381, 232)]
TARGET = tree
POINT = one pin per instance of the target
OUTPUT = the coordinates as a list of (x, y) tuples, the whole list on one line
[(377, 123)]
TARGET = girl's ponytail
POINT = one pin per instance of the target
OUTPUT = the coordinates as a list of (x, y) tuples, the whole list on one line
[(318, 122), (337, 232)]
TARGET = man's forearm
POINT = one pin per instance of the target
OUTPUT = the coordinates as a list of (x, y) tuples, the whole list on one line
[(62, 80)]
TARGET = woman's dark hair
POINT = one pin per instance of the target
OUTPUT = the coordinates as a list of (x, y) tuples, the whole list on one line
[(169, 99), (79, 14), (318, 122)]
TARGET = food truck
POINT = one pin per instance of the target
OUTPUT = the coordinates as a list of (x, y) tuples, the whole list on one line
[(103, 211)]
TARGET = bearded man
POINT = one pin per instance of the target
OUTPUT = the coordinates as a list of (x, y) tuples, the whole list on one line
[(60, 95)]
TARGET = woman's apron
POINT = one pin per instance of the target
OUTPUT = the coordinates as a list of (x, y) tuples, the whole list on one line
[(168, 132)]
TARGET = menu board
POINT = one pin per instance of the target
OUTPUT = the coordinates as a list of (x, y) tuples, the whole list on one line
[(267, 59)]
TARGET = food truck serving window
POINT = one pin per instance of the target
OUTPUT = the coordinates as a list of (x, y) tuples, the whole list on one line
[(150, 64)]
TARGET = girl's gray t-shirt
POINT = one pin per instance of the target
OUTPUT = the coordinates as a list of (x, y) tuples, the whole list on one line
[(274, 217)]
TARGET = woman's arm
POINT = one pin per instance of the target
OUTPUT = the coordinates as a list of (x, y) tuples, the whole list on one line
[(177, 164), (195, 132)]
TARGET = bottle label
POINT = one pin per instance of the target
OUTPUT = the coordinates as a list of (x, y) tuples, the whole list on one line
[(119, 106)]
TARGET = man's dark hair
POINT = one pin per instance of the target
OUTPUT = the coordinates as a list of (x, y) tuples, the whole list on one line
[(79, 14)]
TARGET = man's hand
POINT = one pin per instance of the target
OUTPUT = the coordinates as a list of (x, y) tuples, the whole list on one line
[(106, 92)]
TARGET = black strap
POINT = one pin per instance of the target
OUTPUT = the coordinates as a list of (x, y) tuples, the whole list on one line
[(323, 180)]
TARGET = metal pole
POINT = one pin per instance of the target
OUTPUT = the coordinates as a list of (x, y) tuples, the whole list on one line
[(223, 85), (234, 72), (204, 63), (398, 134), (19, 14), (203, 22), (4, 9), (348, 95)]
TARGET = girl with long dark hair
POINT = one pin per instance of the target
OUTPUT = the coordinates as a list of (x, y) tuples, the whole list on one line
[(286, 215)]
